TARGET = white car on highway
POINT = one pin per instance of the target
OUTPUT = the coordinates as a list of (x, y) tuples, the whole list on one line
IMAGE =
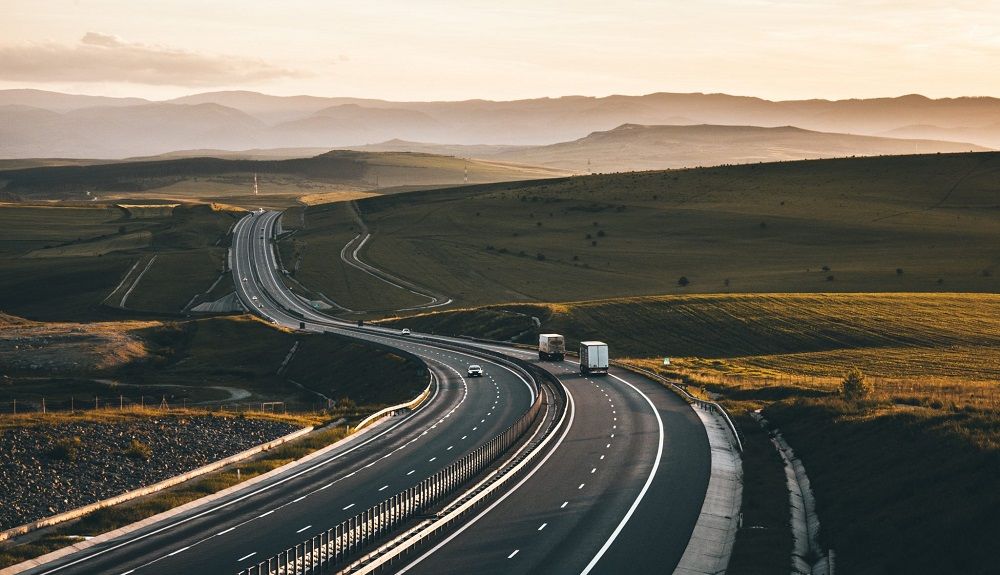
[(475, 371), (405, 331)]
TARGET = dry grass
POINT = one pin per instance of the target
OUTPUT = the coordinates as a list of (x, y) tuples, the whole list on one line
[(97, 347)]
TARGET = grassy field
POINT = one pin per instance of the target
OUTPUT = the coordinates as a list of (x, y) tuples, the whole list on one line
[(61, 261), (889, 224), (313, 253)]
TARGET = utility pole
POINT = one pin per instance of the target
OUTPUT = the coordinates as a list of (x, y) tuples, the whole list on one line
[(255, 190), (43, 406)]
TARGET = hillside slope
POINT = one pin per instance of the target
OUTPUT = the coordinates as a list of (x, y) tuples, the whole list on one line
[(631, 147), (886, 224)]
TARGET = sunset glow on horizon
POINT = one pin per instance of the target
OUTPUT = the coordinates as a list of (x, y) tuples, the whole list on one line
[(446, 50)]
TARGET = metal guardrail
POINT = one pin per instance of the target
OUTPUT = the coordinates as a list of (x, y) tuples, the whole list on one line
[(516, 467), (347, 540), (393, 409), (697, 401)]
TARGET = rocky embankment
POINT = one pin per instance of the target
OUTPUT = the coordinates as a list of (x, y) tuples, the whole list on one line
[(50, 469)]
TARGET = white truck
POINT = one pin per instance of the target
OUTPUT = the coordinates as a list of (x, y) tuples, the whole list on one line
[(551, 346), (593, 357)]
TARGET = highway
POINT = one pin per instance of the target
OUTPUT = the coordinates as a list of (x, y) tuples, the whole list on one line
[(621, 490), (256, 522)]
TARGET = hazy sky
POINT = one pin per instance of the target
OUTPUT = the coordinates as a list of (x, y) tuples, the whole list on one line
[(503, 49)]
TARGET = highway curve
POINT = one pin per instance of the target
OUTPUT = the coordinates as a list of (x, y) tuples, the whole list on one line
[(621, 492), (256, 522), (620, 495)]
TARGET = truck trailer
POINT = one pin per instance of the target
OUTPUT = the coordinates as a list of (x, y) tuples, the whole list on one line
[(551, 346), (593, 357)]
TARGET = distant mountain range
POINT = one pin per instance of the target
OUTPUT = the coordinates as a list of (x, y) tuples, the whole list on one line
[(36, 123)]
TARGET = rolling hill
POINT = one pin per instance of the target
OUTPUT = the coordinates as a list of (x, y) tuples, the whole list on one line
[(339, 174), (632, 147), (925, 223)]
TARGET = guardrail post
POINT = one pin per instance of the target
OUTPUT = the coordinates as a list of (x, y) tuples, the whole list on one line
[(338, 545)]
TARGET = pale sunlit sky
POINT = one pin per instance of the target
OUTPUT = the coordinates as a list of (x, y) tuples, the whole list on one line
[(450, 50)]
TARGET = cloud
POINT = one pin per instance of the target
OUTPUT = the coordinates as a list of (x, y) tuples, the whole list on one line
[(106, 58)]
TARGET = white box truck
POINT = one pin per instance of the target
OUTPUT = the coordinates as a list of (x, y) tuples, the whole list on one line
[(593, 357), (551, 346)]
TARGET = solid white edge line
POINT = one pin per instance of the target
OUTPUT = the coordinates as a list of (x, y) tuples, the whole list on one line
[(642, 493)]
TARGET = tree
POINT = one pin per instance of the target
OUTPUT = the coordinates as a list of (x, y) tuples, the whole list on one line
[(683, 281), (855, 385)]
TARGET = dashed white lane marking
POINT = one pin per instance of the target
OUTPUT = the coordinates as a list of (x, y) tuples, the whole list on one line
[(602, 457), (299, 499), (464, 436), (563, 506), (247, 556), (127, 572), (607, 446), (542, 526), (511, 556), (304, 528), (474, 428), (411, 472), (383, 488), (266, 514), (581, 486), (226, 531), (181, 550), (348, 507), (592, 471), (431, 459), (449, 448)]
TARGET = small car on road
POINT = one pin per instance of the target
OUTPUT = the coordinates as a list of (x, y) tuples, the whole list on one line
[(405, 331), (475, 371)]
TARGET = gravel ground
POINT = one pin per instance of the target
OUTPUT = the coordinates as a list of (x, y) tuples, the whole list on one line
[(44, 470)]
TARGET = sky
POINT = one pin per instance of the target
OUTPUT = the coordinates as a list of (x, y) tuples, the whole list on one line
[(501, 50)]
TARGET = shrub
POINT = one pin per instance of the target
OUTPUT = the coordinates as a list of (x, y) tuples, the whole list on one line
[(138, 450), (829, 278), (826, 268), (593, 243), (540, 257), (899, 271), (855, 386), (683, 281), (65, 449), (601, 234)]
